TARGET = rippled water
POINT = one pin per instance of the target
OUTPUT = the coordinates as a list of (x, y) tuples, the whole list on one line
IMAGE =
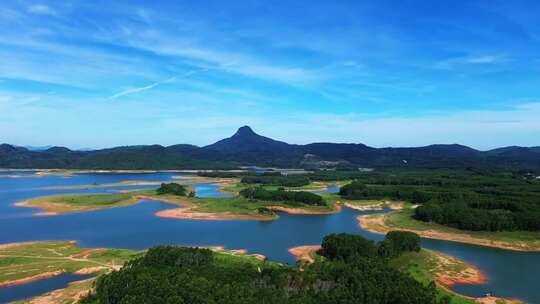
[(511, 274)]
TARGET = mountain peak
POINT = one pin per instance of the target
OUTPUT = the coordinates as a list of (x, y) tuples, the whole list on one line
[(244, 131)]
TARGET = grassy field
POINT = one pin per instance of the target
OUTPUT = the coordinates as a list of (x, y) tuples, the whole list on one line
[(403, 219), (69, 203), (235, 188), (26, 261), (241, 205)]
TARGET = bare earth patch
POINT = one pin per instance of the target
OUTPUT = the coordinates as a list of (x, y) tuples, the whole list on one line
[(290, 210), (91, 270), (377, 206), (447, 275), (305, 253), (72, 294), (188, 214), (36, 277), (450, 271)]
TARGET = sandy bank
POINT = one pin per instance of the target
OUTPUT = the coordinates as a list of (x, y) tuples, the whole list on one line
[(71, 294), (451, 271), (237, 252), (377, 224), (467, 273), (188, 214), (496, 300), (305, 253), (44, 206), (377, 206), (308, 211), (33, 278), (91, 270)]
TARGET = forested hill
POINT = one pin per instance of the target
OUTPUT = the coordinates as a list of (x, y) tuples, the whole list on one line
[(246, 147)]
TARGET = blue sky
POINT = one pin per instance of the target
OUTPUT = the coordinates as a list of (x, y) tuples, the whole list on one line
[(384, 73)]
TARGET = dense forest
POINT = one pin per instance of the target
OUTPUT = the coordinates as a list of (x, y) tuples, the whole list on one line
[(352, 271), (172, 188), (290, 197), (468, 199), (479, 200), (297, 180)]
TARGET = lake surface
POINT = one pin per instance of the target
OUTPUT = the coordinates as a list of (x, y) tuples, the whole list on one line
[(510, 274), (36, 288)]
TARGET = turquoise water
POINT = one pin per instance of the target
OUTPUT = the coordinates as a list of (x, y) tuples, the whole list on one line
[(511, 274)]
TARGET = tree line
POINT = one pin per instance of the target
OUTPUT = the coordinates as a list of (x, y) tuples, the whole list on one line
[(352, 271), (291, 197), (464, 199)]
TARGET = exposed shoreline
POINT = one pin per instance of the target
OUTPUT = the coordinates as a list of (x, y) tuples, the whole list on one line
[(74, 260), (468, 274), (31, 279), (377, 223), (305, 211), (375, 206), (187, 213), (304, 253)]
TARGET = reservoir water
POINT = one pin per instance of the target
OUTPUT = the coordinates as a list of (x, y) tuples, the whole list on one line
[(510, 274)]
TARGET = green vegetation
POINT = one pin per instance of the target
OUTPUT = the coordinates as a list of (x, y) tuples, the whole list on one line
[(277, 180), (348, 247), (424, 265), (26, 261), (336, 175), (60, 204), (226, 174), (290, 197), (255, 203), (244, 206), (190, 275), (172, 188), (404, 219), (69, 203), (90, 199), (234, 205), (464, 199)]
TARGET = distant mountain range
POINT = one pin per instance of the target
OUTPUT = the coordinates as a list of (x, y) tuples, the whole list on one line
[(246, 147)]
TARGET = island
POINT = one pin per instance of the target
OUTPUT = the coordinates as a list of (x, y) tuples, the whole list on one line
[(488, 208)]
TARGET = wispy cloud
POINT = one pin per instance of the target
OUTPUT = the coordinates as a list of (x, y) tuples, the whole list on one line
[(483, 59), (169, 80), (140, 89), (227, 60), (41, 9), (479, 60)]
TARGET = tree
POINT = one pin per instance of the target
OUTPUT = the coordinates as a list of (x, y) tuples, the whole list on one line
[(172, 188)]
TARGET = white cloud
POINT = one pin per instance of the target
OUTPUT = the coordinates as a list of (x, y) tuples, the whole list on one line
[(41, 9), (155, 84), (140, 89), (483, 59), (219, 59), (471, 60)]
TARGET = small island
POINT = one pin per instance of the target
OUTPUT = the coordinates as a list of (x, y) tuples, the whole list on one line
[(253, 203)]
